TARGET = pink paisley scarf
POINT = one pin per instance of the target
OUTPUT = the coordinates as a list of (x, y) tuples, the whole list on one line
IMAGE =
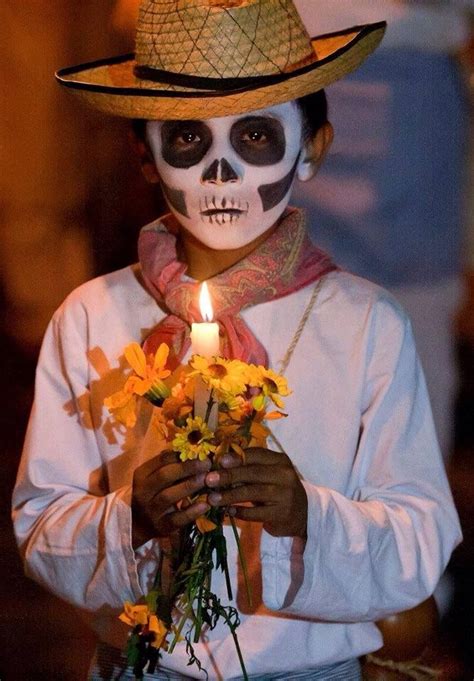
[(286, 262)]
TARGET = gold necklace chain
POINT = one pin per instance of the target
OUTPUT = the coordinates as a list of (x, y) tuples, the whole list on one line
[(291, 348), (297, 335)]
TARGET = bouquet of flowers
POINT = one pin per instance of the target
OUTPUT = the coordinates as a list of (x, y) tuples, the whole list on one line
[(236, 409)]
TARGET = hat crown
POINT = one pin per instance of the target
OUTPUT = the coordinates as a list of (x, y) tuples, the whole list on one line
[(222, 38)]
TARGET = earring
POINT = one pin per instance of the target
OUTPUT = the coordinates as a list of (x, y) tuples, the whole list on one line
[(306, 169)]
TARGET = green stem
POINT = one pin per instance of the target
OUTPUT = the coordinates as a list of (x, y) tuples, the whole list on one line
[(158, 575), (228, 584), (210, 404), (190, 596), (198, 617), (179, 629), (243, 562), (239, 653)]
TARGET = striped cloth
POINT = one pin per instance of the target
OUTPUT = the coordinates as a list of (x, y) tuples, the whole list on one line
[(109, 664)]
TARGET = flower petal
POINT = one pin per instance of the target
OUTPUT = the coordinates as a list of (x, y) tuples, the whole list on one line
[(258, 402), (274, 415), (138, 386), (204, 524), (136, 358), (160, 357)]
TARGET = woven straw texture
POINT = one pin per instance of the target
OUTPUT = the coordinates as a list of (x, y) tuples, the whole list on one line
[(254, 38), (219, 39)]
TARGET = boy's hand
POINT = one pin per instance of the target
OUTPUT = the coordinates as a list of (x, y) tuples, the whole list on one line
[(158, 486), (270, 482)]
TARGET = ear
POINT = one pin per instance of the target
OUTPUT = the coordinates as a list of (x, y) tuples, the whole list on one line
[(147, 161), (313, 152)]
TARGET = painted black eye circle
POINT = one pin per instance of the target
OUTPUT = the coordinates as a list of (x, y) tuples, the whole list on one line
[(259, 140), (184, 143)]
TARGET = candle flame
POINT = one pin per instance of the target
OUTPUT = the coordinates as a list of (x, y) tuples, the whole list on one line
[(205, 304)]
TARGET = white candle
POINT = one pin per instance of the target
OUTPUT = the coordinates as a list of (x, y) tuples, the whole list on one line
[(205, 335), (205, 342)]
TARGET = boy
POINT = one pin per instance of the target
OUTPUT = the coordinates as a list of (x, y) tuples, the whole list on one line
[(356, 521)]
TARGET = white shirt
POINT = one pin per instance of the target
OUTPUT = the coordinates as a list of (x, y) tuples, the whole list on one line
[(381, 521)]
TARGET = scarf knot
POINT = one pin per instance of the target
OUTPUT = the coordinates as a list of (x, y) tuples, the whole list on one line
[(286, 262)]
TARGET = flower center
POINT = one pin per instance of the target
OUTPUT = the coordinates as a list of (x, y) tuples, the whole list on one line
[(194, 437), (217, 371), (271, 385)]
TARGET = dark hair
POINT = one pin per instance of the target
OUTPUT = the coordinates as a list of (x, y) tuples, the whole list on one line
[(314, 111), (139, 128), (313, 107)]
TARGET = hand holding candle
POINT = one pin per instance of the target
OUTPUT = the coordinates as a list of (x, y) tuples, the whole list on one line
[(205, 342)]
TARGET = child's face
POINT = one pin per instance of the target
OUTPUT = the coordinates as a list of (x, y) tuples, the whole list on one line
[(228, 180)]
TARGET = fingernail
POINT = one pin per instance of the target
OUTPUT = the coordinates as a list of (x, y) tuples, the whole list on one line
[(212, 479), (228, 461), (201, 508), (203, 465), (214, 498), (232, 511)]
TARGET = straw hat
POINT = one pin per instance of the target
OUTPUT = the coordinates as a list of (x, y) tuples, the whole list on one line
[(207, 58)]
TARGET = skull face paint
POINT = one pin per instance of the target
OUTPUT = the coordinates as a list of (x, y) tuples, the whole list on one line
[(228, 180)]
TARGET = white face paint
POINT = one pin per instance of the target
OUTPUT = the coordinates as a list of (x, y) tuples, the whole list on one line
[(228, 180)]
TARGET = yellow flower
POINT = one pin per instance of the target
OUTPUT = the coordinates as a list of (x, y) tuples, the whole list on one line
[(224, 375), (147, 380), (150, 372), (141, 615), (272, 385), (176, 409), (231, 442), (134, 615), (231, 403), (203, 523), (159, 629), (194, 440)]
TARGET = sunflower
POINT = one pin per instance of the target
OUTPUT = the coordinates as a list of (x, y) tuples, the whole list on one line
[(224, 375), (272, 385), (194, 441)]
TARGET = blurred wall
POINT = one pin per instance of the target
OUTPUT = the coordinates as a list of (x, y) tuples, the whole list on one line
[(71, 198)]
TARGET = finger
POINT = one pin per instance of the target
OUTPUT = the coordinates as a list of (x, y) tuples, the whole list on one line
[(260, 514), (244, 493), (277, 475), (174, 472), (171, 495), (230, 461), (158, 477), (265, 457), (178, 519), (163, 459), (166, 457), (256, 455)]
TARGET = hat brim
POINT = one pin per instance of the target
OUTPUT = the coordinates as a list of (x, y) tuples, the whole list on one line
[(112, 85)]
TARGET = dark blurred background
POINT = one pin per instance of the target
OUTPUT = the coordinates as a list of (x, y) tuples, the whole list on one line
[(72, 200)]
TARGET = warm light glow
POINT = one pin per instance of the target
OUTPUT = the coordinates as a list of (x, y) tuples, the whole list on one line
[(205, 305)]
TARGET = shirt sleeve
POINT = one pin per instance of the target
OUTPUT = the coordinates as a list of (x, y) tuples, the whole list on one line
[(382, 548), (73, 533)]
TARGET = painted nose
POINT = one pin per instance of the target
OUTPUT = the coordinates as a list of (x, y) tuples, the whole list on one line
[(219, 172)]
